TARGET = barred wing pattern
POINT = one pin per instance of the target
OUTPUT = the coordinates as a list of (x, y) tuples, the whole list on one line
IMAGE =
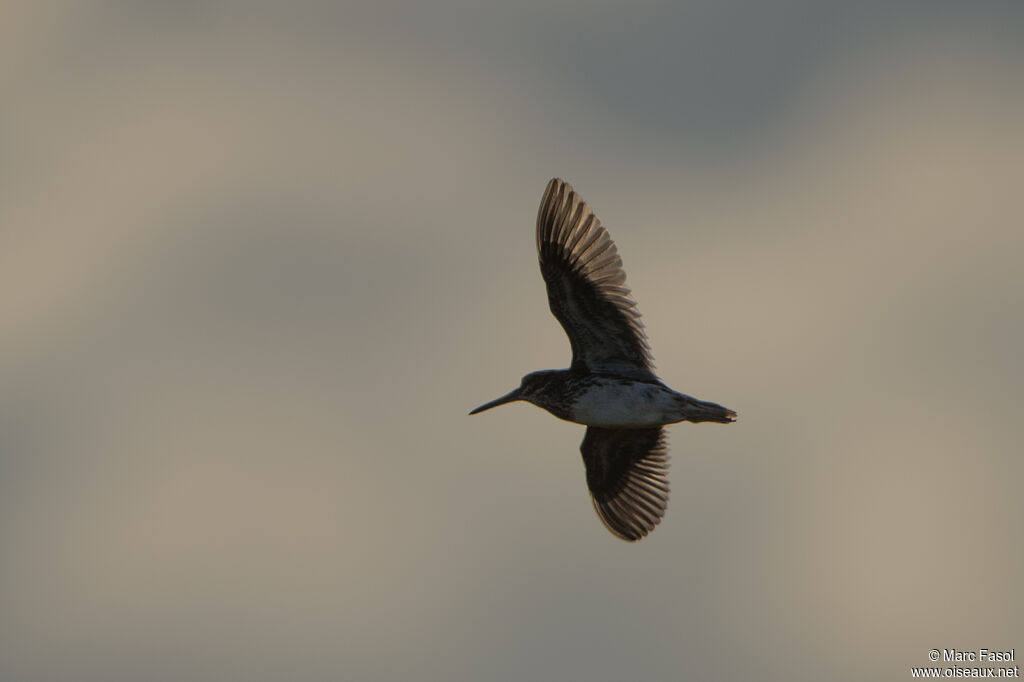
[(586, 287), (627, 473)]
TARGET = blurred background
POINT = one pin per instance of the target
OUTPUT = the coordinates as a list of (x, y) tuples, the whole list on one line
[(259, 260)]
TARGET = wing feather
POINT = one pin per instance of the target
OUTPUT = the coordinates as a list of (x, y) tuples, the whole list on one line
[(627, 474), (586, 286)]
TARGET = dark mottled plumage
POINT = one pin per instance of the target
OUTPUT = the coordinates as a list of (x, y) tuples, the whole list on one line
[(610, 386)]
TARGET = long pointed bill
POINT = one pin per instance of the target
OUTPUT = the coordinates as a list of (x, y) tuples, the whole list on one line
[(507, 398)]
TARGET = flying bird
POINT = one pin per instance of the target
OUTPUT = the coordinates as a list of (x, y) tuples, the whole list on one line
[(610, 387)]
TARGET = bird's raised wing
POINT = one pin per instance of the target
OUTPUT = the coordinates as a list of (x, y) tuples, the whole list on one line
[(627, 473), (587, 286)]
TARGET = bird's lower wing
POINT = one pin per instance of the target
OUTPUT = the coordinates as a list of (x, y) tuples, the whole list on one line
[(627, 473)]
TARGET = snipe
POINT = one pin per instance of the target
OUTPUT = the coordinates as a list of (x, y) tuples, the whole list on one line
[(610, 386)]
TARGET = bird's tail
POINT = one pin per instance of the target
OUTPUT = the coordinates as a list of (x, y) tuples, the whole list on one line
[(694, 410)]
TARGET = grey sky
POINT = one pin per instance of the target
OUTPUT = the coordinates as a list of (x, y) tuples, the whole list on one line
[(257, 263)]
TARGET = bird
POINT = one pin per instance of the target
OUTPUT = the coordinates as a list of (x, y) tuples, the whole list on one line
[(610, 387)]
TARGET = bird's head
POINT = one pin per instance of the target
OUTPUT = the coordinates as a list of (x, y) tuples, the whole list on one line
[(532, 386)]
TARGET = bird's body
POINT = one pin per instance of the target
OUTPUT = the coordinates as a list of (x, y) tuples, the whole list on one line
[(614, 401), (610, 386)]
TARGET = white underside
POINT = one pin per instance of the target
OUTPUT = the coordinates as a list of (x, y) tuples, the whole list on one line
[(636, 405)]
